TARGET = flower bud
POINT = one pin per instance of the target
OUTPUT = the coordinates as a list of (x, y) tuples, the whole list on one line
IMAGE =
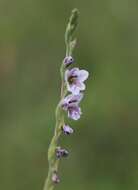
[(68, 61), (61, 153), (55, 178), (67, 130)]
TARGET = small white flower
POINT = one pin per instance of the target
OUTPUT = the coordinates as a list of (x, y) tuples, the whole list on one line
[(75, 80)]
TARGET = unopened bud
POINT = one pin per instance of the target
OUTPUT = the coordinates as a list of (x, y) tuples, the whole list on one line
[(67, 130), (68, 60), (55, 178), (61, 152)]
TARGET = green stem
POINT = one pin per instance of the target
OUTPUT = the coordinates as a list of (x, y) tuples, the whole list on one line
[(52, 160)]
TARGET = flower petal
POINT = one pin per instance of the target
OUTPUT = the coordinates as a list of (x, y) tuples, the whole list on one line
[(65, 102), (75, 99), (74, 113), (80, 85), (74, 89), (74, 71), (68, 98), (71, 101), (79, 97), (83, 75)]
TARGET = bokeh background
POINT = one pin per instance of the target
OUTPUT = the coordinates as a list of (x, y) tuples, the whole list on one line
[(104, 147)]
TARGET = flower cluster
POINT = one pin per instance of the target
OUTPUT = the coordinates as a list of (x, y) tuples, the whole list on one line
[(74, 82)]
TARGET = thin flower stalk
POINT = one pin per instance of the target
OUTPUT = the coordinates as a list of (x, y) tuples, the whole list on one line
[(54, 149)]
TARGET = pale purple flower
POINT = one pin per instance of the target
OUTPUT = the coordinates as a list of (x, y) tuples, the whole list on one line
[(55, 177), (60, 152), (67, 130), (74, 112), (75, 80), (71, 105), (68, 61)]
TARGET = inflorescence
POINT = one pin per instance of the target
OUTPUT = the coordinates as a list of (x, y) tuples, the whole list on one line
[(72, 89), (74, 81)]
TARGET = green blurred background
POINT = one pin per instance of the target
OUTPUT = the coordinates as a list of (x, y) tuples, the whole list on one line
[(104, 147)]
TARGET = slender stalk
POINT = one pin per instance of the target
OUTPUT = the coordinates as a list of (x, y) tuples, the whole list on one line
[(53, 161)]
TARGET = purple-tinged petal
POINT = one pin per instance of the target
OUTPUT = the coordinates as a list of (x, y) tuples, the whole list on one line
[(74, 71), (70, 76), (83, 75), (75, 99), (82, 86), (79, 97), (68, 98), (65, 102), (74, 113), (74, 89), (71, 100)]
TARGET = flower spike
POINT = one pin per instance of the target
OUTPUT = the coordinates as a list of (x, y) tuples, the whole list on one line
[(72, 85)]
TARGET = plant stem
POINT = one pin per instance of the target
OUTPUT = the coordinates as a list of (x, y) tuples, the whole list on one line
[(52, 160)]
